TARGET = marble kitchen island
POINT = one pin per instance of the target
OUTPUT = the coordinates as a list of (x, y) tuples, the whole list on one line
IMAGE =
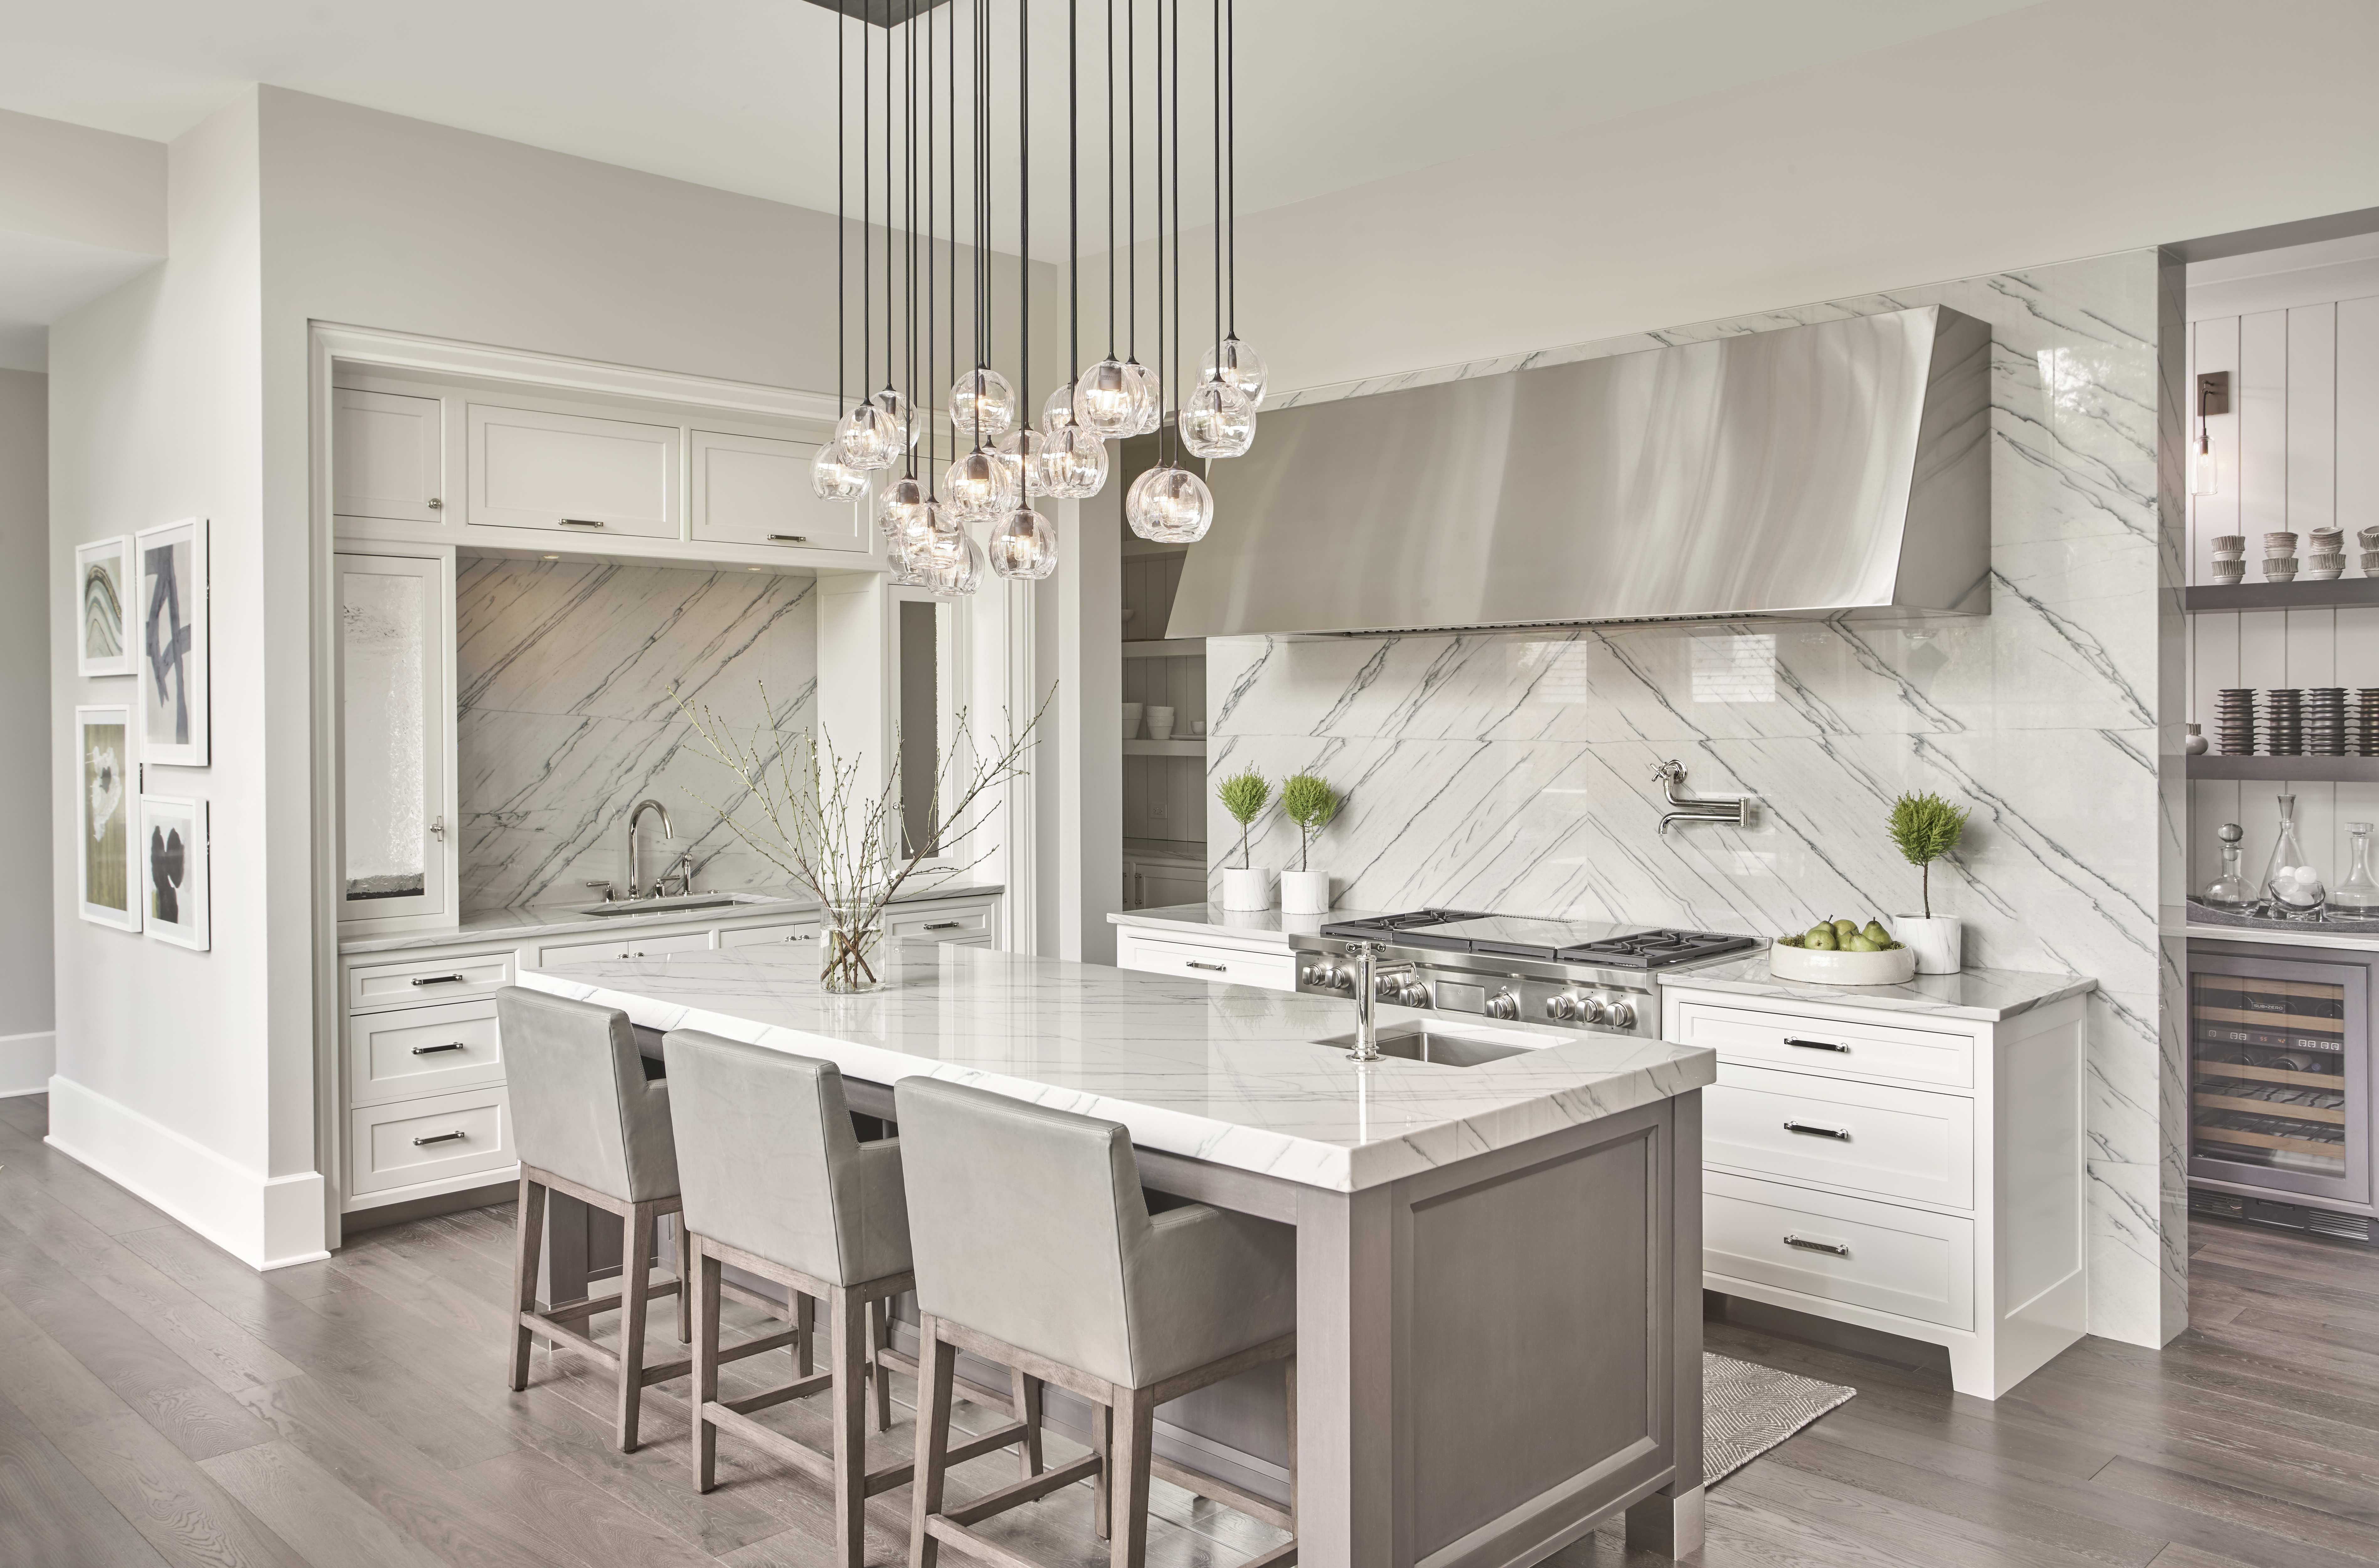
[(1499, 1266)]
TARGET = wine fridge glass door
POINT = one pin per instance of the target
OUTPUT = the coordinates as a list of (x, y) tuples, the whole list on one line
[(2279, 1065)]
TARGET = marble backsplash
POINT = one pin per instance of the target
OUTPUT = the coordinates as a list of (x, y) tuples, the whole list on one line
[(1514, 772), (568, 717)]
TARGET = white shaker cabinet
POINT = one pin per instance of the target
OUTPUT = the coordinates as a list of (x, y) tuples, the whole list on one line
[(388, 457), (572, 472), (756, 490)]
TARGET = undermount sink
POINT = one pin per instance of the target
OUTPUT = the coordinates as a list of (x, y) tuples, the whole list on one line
[(660, 906), (1436, 1045)]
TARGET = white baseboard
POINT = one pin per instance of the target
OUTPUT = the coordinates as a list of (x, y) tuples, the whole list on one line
[(26, 1062), (265, 1222)]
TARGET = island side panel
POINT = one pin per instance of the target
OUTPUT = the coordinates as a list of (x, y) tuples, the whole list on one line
[(1492, 1354), (1669, 1521)]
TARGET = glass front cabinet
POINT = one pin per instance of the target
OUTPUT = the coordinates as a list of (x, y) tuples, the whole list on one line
[(397, 839), (2279, 1080)]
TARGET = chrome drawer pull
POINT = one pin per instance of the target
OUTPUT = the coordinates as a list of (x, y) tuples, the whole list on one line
[(1818, 1045), (788, 538), (438, 980), (1218, 969), (1811, 1130), (437, 1137), (943, 924), (1832, 1249), (433, 1050), (580, 523)]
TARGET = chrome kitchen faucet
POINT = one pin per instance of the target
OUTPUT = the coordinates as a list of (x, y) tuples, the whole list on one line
[(634, 817), (1370, 976)]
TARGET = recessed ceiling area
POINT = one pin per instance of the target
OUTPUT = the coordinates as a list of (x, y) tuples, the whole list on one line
[(738, 94)]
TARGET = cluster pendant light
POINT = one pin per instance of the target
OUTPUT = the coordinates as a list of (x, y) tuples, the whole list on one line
[(1000, 461)]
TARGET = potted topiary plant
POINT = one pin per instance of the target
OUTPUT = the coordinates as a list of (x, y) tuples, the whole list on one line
[(1245, 794), (1308, 801), (1926, 828)]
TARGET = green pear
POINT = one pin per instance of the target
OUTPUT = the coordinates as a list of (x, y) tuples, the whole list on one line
[(1846, 928), (1876, 933), (1859, 945), (1821, 939)]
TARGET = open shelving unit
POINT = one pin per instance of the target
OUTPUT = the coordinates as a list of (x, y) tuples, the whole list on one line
[(2301, 769), (2284, 596)]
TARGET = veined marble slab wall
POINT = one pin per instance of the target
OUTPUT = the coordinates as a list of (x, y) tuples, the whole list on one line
[(568, 719), (1514, 772)]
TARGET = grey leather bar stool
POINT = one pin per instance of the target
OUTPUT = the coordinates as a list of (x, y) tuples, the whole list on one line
[(1034, 1245), (589, 1125), (777, 1184)]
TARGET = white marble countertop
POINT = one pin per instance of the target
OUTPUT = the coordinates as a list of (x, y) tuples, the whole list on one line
[(1990, 995), (537, 922), (1223, 1073), (1266, 926), (2306, 937)]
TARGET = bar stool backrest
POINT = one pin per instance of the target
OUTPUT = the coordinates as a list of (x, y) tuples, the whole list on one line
[(581, 1108), (1022, 1219), (770, 1164)]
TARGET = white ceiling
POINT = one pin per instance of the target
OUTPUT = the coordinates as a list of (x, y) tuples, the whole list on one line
[(738, 94)]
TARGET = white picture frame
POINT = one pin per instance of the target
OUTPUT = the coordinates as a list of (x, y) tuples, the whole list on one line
[(170, 577), (173, 860), (102, 614), (107, 891)]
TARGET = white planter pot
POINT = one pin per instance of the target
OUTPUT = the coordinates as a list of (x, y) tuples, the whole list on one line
[(1305, 892), (1935, 940), (1247, 888)]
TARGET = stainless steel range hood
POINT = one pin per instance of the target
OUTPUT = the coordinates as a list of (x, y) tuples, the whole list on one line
[(1836, 469)]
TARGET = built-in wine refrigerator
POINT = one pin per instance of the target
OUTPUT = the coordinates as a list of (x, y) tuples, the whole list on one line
[(2281, 1098)]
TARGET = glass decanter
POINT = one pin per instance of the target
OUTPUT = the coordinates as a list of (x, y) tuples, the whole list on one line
[(2229, 890), (2291, 888), (2358, 894)]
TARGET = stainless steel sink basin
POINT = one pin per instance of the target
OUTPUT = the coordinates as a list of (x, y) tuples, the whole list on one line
[(1436, 1045), (660, 906)]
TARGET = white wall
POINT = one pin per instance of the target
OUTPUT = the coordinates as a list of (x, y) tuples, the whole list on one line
[(81, 211), (25, 1015)]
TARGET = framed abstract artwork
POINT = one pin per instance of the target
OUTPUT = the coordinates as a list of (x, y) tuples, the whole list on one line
[(103, 584), (174, 870), (105, 884), (169, 583)]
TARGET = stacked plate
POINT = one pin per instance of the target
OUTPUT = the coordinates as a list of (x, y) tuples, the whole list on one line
[(2325, 721), (2326, 558), (2234, 720), (2363, 735), (2283, 721), (2230, 557), (2279, 557)]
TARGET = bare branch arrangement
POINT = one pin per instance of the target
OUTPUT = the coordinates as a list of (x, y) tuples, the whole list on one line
[(805, 810)]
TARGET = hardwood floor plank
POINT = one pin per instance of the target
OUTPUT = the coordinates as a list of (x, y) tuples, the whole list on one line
[(2316, 1538), (29, 1114), (50, 1513), (308, 1508)]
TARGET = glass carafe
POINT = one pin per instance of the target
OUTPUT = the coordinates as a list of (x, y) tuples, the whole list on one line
[(2229, 890), (2358, 894), (2291, 888)]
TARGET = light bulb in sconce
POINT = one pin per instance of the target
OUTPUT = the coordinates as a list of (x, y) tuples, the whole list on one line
[(2205, 465), (2204, 468)]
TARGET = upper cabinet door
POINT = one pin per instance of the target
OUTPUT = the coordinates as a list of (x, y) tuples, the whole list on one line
[(396, 835), (573, 473), (387, 457), (756, 490)]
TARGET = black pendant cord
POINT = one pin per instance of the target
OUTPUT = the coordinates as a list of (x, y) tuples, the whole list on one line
[(841, 245), (1131, 177), (1023, 229), (1177, 233), (1218, 187), (1158, 164), (951, 88), (1231, 109), (1073, 196), (890, 349), (1110, 158), (908, 248), (866, 221), (933, 437)]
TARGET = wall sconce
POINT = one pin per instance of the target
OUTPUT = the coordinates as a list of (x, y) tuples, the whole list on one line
[(2213, 397)]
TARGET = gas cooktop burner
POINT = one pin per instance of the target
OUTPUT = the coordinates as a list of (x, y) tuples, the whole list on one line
[(1555, 941)]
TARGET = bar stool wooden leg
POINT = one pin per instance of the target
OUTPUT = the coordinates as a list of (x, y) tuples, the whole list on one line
[(635, 1283), (850, 1353), (802, 1315), (1102, 1439), (1025, 1399), (702, 1278), (528, 1245), (936, 1365), (684, 1286), (879, 1339), (1289, 1372), (1135, 1430)]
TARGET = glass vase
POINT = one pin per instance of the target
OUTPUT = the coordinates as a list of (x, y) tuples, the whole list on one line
[(2358, 894), (850, 949), (2291, 888), (2229, 890)]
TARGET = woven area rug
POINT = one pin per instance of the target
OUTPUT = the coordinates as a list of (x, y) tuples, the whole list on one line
[(1748, 1410)]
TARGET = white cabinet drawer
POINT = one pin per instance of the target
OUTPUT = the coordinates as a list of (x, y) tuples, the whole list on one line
[(1839, 1249), (957, 922), (1192, 960), (1894, 1143), (756, 490), (800, 934), (409, 1052), (418, 1140), (652, 945), (420, 981), (571, 474), (1830, 1046)]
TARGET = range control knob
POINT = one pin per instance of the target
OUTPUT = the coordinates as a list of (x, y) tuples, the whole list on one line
[(1620, 1015), (1410, 993), (1562, 1008), (1502, 1005), (1325, 975)]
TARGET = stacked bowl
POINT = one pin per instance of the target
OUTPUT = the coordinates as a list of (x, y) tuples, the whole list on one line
[(2230, 557), (2368, 539), (2327, 557), (2279, 557)]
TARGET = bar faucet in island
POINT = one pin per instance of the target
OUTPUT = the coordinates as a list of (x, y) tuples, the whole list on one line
[(1374, 982), (635, 888)]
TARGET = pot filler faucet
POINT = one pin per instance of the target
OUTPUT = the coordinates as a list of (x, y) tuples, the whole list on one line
[(1671, 775), (1371, 980), (634, 817)]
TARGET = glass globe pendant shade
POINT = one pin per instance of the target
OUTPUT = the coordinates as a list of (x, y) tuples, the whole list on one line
[(1027, 451), (955, 574), (908, 564), (1235, 362), (1024, 544), (868, 437), (1058, 412), (900, 509), (1217, 420), (1170, 506), (1074, 464), (983, 405), (1147, 398), (1106, 403), (980, 486), (895, 407), (834, 479)]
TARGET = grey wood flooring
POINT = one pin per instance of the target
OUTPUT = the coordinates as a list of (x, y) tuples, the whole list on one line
[(161, 1403)]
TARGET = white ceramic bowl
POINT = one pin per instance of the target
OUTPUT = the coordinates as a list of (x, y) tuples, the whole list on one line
[(1890, 967)]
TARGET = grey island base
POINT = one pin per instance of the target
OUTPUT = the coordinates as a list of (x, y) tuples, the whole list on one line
[(1499, 1265)]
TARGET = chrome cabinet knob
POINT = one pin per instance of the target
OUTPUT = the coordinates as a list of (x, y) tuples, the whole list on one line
[(1502, 1005)]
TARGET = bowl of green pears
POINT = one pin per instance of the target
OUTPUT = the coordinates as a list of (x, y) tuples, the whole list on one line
[(1843, 952)]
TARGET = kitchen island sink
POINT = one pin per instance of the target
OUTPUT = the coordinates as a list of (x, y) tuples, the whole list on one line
[(1436, 1045)]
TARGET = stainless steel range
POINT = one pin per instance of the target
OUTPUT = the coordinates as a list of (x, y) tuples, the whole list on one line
[(1590, 974)]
